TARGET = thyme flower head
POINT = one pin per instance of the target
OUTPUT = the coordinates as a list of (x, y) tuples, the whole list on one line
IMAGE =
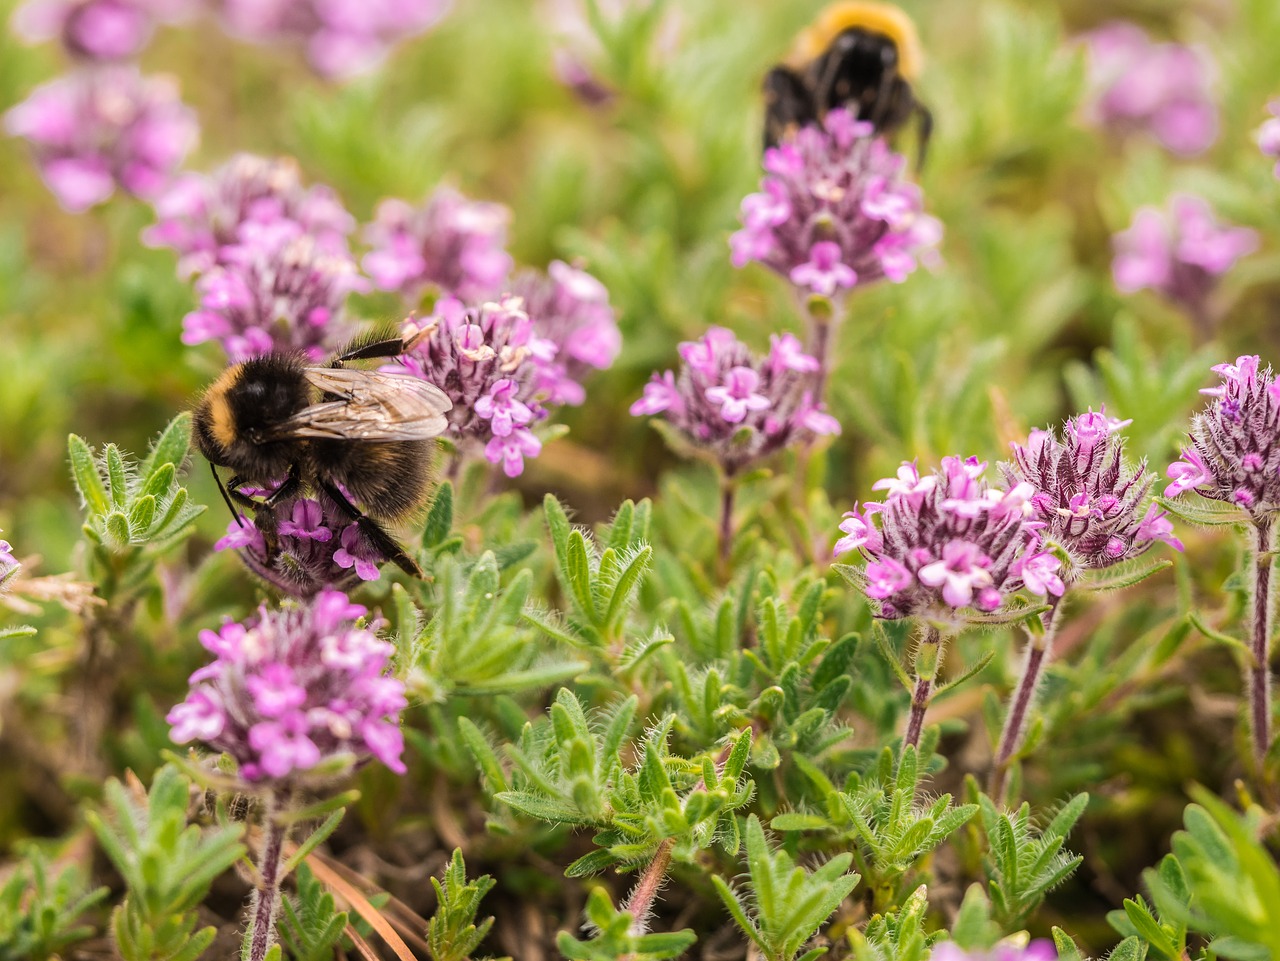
[(1088, 499), (205, 217), (95, 130), (948, 541), (834, 212), (453, 244), (1234, 455), (281, 294), (317, 548), (1180, 253), (96, 30), (1162, 89), (574, 327), (735, 406), (1269, 135), (292, 689), (484, 359)]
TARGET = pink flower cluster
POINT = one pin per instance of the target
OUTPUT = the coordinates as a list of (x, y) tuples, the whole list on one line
[(571, 313), (453, 244), (205, 217), (1269, 135), (281, 293), (947, 541), (1234, 454), (290, 690), (342, 38), (1179, 254), (96, 30), (834, 212), (1088, 500), (737, 407), (484, 359), (1164, 89), (317, 547), (99, 129), (1038, 950)]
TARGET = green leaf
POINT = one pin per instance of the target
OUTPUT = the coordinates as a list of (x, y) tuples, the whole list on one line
[(84, 471), (171, 447), (439, 517), (1202, 511)]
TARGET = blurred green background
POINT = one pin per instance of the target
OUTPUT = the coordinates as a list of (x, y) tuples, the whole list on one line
[(1019, 326)]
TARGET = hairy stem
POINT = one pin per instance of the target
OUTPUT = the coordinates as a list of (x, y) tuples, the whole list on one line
[(820, 348), (1258, 676), (928, 654), (640, 904), (1039, 651), (726, 525), (266, 899)]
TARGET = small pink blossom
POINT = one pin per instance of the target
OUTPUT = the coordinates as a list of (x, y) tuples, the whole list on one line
[(738, 395), (824, 273), (962, 568)]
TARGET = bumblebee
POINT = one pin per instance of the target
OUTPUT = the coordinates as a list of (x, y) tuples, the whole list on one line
[(351, 435), (858, 54)]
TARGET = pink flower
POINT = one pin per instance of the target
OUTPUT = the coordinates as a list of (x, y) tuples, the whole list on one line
[(738, 395), (908, 483), (199, 718), (659, 394), (859, 531), (824, 273), (355, 554), (785, 353), (510, 451), (963, 568), (886, 577), (1040, 574), (501, 407), (307, 522), (1188, 473)]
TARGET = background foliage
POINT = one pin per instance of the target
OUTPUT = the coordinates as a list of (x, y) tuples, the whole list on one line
[(585, 697)]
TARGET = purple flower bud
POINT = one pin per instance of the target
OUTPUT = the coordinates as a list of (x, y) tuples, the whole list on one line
[(453, 244), (1180, 255), (483, 358), (1039, 950), (737, 407), (206, 218), (945, 542), (98, 129), (276, 701), (279, 294), (342, 38), (1088, 501), (833, 211), (1164, 89), (1234, 456), (9, 567)]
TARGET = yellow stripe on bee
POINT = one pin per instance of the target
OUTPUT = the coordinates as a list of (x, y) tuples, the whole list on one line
[(883, 18), (221, 423)]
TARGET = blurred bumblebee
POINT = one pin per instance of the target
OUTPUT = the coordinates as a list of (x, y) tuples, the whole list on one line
[(334, 431), (857, 54)]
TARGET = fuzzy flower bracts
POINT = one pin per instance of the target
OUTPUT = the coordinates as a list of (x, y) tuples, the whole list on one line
[(1087, 498), (947, 541), (292, 690), (1234, 455)]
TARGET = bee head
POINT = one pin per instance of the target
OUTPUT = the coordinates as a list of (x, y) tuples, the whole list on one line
[(236, 422)]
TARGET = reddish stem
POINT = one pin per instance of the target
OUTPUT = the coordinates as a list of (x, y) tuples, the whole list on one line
[(640, 904), (267, 896), (1258, 679)]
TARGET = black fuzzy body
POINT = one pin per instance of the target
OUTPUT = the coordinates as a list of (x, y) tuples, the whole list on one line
[(859, 71), (235, 418)]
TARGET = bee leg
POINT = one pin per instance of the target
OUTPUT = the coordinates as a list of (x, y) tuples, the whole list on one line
[(392, 347), (384, 542), (226, 498), (925, 119)]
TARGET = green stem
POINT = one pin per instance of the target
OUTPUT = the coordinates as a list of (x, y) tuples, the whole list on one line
[(928, 655)]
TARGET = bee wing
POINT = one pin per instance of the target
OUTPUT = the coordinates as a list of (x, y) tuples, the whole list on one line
[(373, 406)]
